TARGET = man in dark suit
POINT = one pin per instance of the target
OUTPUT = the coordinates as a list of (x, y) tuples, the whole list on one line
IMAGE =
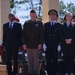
[(52, 41), (12, 40)]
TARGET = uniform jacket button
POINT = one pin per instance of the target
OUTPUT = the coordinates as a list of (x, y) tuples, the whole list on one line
[(49, 35), (54, 34)]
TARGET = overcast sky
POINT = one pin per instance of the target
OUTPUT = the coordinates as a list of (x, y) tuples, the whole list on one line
[(68, 1)]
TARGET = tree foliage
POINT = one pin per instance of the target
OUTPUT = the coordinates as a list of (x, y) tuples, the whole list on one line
[(69, 7)]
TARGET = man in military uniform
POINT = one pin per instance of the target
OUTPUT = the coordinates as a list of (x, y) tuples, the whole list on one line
[(32, 41), (52, 41)]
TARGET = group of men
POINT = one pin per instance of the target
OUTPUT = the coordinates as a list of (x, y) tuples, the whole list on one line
[(32, 38)]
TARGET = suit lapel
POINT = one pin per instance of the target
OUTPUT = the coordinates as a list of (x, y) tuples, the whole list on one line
[(14, 25), (65, 26), (8, 27), (49, 25)]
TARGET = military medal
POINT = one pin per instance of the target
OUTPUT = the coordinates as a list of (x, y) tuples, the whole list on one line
[(36, 25)]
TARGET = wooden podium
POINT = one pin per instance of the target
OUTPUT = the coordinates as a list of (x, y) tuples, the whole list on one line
[(3, 70)]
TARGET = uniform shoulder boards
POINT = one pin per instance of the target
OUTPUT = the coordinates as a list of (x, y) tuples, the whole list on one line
[(27, 21)]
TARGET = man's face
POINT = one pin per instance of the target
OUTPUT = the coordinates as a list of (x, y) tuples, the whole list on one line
[(52, 17), (33, 15), (11, 17)]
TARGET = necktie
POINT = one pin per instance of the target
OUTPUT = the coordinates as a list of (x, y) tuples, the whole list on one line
[(52, 23), (10, 26)]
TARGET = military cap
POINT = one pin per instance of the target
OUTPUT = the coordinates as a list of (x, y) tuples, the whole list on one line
[(32, 11), (53, 11)]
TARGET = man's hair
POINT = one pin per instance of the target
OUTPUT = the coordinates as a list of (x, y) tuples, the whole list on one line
[(32, 11), (10, 14)]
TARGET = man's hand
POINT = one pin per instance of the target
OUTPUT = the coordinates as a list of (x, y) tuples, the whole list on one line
[(24, 47), (39, 47), (4, 49), (68, 41), (21, 48)]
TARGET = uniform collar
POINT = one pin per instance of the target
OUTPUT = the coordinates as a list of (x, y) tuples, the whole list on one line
[(33, 21), (53, 22)]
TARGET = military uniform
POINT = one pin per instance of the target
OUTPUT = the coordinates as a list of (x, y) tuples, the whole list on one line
[(33, 36), (52, 41)]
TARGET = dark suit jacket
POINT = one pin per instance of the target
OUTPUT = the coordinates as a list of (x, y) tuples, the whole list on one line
[(52, 34), (13, 37), (67, 32)]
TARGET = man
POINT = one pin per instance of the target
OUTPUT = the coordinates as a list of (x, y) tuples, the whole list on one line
[(12, 40), (52, 41), (32, 41)]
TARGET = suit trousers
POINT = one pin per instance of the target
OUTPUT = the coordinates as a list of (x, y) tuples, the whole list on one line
[(51, 58), (68, 55), (33, 56), (12, 54)]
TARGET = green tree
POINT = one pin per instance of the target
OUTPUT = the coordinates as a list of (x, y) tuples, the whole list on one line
[(11, 4), (62, 11), (69, 7)]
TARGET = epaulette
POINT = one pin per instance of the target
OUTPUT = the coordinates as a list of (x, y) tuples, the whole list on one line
[(27, 21)]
